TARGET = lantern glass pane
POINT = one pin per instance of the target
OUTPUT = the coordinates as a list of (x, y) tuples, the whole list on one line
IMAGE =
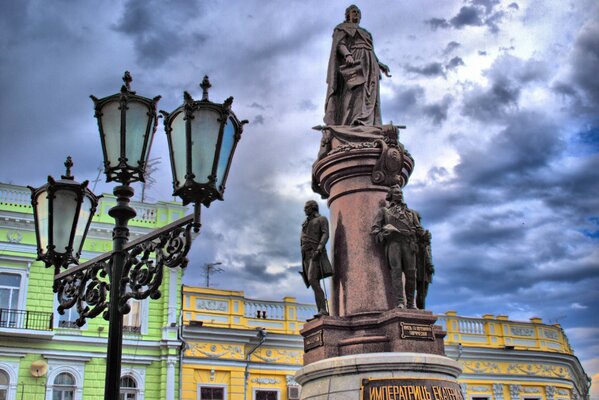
[(84, 214), (178, 156), (205, 128), (64, 208), (42, 219), (225, 150), (111, 126), (137, 123)]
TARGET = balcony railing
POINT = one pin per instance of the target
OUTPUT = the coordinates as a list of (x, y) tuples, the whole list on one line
[(23, 319)]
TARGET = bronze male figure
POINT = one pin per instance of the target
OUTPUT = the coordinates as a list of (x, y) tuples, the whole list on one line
[(396, 226), (424, 267), (315, 262)]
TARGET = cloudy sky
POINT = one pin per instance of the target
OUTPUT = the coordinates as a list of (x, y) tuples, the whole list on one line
[(501, 100)]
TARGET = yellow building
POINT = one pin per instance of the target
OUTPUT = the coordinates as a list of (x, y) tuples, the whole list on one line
[(243, 349)]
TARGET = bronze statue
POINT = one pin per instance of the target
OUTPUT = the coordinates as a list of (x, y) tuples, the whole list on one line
[(315, 262), (424, 268), (353, 75), (397, 227)]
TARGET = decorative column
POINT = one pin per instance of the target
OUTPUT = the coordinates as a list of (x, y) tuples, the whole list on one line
[(515, 392), (170, 378), (361, 282), (549, 392), (354, 172), (498, 391)]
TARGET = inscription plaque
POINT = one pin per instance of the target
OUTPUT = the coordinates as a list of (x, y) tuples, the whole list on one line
[(409, 389), (313, 341), (416, 331)]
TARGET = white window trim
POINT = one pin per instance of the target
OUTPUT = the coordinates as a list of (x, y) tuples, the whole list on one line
[(139, 374), (12, 370), (200, 385), (56, 368), (254, 390), (24, 273), (143, 315), (57, 316)]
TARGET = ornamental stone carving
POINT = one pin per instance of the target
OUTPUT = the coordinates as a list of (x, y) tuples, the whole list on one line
[(522, 331), (498, 391), (266, 381), (551, 334), (549, 392), (515, 392), (212, 305)]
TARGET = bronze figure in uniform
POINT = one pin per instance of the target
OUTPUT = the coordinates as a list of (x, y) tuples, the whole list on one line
[(315, 262), (424, 267), (396, 226)]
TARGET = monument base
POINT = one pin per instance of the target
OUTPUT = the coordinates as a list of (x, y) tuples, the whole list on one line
[(396, 330), (381, 376)]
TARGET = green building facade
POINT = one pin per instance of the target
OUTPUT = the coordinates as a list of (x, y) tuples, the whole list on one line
[(44, 355)]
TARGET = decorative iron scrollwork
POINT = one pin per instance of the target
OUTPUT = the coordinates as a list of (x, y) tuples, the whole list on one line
[(87, 286), (86, 289)]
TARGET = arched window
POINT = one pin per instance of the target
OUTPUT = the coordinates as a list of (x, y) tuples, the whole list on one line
[(128, 388), (64, 387), (4, 381)]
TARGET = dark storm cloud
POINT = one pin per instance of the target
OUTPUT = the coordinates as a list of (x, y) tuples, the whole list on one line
[(528, 143), (475, 13), (585, 64), (411, 100), (258, 119), (436, 23), (437, 112), (467, 16), (507, 77), (451, 46), (155, 39), (454, 63), (433, 69)]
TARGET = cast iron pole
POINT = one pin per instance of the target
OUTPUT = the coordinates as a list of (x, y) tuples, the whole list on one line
[(121, 213)]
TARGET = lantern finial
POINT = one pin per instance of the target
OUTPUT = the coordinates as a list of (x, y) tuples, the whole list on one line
[(127, 79), (205, 85), (68, 164)]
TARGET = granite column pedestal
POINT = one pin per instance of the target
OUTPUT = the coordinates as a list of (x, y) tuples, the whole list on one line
[(362, 281)]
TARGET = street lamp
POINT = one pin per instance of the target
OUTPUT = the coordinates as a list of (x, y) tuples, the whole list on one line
[(62, 212), (202, 138)]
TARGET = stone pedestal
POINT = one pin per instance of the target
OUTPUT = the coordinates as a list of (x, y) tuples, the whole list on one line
[(373, 332), (362, 282), (380, 376)]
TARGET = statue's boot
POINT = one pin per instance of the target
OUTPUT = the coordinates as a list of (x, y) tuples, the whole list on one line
[(410, 288)]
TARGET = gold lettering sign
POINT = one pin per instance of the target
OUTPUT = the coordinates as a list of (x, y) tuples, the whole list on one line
[(416, 331), (313, 341), (410, 389)]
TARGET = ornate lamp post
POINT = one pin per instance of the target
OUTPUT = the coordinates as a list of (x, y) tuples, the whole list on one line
[(62, 211), (202, 138)]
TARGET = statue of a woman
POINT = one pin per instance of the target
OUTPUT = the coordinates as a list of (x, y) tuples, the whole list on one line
[(353, 75)]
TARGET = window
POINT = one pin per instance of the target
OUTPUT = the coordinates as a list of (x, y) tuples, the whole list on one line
[(10, 285), (212, 393), (132, 321), (67, 320), (128, 388), (4, 381), (266, 395), (64, 387)]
